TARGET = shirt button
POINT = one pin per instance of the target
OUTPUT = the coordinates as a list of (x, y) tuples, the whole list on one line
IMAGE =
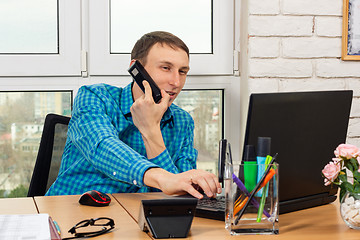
[(134, 182), (114, 173)]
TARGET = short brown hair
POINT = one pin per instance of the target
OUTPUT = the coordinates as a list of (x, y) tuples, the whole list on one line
[(143, 45)]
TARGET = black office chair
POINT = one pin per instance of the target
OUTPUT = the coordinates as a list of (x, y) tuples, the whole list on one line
[(48, 160)]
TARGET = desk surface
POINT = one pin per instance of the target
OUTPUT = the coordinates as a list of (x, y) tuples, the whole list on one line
[(318, 223), (66, 211), (17, 206), (322, 222)]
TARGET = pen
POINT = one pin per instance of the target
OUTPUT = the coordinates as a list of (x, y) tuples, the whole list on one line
[(264, 194), (239, 204), (243, 188), (258, 185), (57, 228)]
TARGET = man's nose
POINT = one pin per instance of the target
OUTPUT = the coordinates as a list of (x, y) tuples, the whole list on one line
[(175, 79)]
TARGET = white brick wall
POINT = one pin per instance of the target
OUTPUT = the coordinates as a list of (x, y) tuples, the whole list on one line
[(354, 84), (264, 47), (312, 7), (328, 26), (280, 25), (353, 123), (311, 47), (259, 85), (265, 7), (337, 68), (311, 84), (295, 45), (355, 109), (280, 67)]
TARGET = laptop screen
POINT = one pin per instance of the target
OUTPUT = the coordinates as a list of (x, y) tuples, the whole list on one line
[(305, 128)]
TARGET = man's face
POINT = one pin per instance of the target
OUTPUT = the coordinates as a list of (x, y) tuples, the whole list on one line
[(168, 67)]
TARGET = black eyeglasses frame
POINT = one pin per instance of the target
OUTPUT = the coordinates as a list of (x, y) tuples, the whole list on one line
[(91, 222)]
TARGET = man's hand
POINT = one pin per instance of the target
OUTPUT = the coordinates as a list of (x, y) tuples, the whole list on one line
[(146, 113), (146, 116), (186, 182)]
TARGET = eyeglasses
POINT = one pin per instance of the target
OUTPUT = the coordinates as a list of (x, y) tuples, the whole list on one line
[(107, 224)]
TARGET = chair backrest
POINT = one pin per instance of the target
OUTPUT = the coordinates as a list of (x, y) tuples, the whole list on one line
[(48, 160)]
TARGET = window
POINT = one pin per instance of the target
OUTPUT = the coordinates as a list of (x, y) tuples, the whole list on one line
[(206, 108), (205, 25), (20, 132), (74, 32), (198, 37), (28, 28), (40, 38)]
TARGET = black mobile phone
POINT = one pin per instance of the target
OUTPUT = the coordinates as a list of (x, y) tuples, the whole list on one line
[(139, 74)]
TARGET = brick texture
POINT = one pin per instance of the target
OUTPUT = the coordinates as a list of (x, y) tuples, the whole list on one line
[(295, 45)]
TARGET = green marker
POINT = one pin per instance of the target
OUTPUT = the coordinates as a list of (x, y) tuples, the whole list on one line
[(250, 167)]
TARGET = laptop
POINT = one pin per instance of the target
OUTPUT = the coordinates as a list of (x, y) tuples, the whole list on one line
[(305, 128)]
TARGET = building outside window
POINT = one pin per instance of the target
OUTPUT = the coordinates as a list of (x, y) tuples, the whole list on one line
[(22, 116)]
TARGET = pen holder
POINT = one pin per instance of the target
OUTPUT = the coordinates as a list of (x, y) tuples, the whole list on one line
[(247, 213)]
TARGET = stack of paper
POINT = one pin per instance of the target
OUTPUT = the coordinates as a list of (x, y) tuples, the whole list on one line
[(26, 226)]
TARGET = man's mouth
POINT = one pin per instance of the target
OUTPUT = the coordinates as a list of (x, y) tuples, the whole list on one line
[(171, 93)]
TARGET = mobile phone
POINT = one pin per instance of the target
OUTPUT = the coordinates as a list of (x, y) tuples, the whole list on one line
[(139, 74)]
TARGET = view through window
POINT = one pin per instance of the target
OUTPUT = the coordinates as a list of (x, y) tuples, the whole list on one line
[(205, 107), (22, 116), (28, 26), (129, 21)]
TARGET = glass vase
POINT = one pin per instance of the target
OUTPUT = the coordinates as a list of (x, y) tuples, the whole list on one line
[(350, 209), (249, 213)]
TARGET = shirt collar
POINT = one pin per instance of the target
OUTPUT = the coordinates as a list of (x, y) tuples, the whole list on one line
[(168, 118), (126, 101)]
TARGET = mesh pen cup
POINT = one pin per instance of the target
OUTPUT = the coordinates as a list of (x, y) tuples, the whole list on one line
[(246, 212)]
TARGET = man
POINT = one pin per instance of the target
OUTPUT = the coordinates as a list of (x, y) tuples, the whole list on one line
[(120, 140)]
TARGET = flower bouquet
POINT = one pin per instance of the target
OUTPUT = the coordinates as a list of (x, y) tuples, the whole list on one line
[(344, 171)]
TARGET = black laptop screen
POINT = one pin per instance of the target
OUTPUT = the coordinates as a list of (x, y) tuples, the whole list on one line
[(305, 128)]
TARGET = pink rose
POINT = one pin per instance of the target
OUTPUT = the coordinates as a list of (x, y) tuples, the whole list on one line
[(347, 151), (331, 171)]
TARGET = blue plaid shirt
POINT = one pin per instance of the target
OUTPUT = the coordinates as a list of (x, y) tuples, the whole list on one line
[(105, 151)]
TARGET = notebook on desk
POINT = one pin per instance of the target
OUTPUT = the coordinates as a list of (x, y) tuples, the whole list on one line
[(305, 128)]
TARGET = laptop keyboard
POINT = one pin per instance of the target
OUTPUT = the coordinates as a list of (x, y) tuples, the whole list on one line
[(217, 203)]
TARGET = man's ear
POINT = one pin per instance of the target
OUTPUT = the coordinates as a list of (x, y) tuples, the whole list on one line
[(132, 61)]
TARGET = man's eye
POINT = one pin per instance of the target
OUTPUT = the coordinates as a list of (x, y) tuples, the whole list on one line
[(166, 68), (183, 72)]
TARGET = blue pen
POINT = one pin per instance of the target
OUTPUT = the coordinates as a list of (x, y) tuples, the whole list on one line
[(57, 228), (263, 149)]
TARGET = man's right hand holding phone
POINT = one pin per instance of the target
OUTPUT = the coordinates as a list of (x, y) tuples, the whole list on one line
[(146, 116)]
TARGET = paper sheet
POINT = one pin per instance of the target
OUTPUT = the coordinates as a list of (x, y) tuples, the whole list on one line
[(26, 226)]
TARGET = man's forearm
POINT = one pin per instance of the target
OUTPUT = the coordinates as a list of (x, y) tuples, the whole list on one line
[(153, 176), (154, 144)]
